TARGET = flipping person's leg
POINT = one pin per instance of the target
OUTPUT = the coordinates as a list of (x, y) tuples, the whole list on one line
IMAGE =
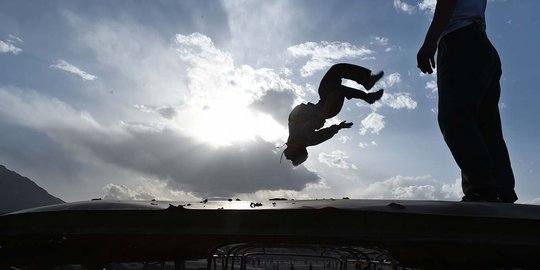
[(359, 94), (359, 74), (332, 104)]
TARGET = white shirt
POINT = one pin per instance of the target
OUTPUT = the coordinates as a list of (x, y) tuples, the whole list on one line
[(466, 13)]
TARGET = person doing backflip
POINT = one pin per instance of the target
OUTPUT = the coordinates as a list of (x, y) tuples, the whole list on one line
[(306, 120)]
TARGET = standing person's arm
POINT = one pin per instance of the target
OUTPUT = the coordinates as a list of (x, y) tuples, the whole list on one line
[(426, 55)]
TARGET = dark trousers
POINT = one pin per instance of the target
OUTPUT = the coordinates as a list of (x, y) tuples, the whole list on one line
[(468, 74), (333, 92)]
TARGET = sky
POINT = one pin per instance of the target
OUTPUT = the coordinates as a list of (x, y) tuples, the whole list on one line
[(184, 100)]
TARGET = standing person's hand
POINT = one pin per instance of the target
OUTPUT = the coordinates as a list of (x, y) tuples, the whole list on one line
[(426, 57)]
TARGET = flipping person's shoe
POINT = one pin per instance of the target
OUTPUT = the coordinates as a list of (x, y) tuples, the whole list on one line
[(373, 79), (372, 97)]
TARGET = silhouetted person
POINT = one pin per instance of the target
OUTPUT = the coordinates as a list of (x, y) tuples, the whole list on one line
[(306, 120), (468, 74)]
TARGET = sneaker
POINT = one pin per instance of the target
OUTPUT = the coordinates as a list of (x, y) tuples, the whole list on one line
[(372, 97), (373, 79)]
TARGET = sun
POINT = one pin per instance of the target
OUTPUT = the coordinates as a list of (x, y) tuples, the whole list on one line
[(225, 124)]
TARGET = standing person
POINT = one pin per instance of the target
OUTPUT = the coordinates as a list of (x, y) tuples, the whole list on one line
[(468, 74), (306, 120)]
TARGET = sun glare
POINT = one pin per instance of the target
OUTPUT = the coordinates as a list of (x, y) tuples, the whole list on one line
[(220, 125)]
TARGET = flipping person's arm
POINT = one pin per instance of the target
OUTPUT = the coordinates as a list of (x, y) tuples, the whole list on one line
[(325, 134), (426, 55)]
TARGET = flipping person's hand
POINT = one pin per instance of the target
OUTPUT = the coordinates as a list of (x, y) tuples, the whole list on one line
[(344, 124)]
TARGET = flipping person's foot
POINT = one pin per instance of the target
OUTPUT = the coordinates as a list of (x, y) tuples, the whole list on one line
[(373, 79), (372, 97)]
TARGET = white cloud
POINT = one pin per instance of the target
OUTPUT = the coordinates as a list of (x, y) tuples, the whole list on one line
[(228, 94), (344, 139), (323, 54), (367, 144), (14, 39), (148, 189), (428, 6), (373, 123), (382, 41), (405, 7), (406, 187), (65, 66), (8, 47), (121, 192), (392, 100), (398, 101), (432, 85), (31, 109), (389, 80), (336, 159), (168, 112)]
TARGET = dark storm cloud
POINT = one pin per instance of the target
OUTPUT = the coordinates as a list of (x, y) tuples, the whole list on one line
[(278, 104), (206, 170)]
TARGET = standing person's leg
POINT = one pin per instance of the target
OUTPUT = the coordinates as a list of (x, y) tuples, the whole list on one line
[(493, 136), (460, 94)]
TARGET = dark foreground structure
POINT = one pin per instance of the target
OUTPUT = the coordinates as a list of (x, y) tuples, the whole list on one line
[(360, 234)]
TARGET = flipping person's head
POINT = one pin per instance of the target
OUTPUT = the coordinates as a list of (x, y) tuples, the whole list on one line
[(296, 154)]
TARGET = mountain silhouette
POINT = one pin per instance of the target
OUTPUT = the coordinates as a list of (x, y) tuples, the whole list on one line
[(18, 192)]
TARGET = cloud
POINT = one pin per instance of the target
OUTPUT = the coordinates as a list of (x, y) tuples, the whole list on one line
[(373, 123), (336, 159), (405, 7), (147, 190), (121, 192), (432, 85), (157, 151), (247, 102), (344, 139), (398, 101), (428, 6), (324, 54), (382, 41), (390, 80), (167, 112), (31, 109), (14, 39), (367, 144), (263, 195), (8, 47), (278, 104), (65, 66), (535, 201), (392, 100), (406, 187)]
